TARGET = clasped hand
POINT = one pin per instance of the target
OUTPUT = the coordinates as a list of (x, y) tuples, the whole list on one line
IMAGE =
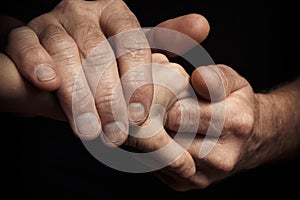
[(49, 53)]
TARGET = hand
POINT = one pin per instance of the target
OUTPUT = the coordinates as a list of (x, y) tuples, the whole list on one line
[(248, 136), (27, 99), (273, 127), (52, 49), (61, 40), (52, 110)]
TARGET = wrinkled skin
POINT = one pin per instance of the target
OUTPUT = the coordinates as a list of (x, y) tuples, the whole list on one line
[(61, 41), (248, 139)]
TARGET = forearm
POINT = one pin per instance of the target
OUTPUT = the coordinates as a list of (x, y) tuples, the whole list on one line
[(277, 132)]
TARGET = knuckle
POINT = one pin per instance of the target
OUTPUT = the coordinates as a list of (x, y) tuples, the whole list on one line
[(102, 56), (225, 161), (247, 123), (74, 89), (136, 87), (133, 44), (129, 21), (107, 100), (142, 94), (227, 165), (26, 52), (117, 12), (184, 117), (243, 123), (55, 40), (80, 93), (71, 6), (137, 76), (89, 37), (174, 117)]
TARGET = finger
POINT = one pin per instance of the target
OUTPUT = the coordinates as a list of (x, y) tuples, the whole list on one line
[(164, 151), (220, 154), (32, 60), (190, 115), (133, 52), (112, 106), (74, 94), (204, 176), (152, 137), (215, 83), (18, 96), (179, 34), (160, 58), (101, 72)]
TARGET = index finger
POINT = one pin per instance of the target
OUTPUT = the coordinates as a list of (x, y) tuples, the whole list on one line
[(133, 51), (160, 151)]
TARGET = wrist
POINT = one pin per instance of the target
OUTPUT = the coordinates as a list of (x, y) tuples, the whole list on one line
[(276, 131)]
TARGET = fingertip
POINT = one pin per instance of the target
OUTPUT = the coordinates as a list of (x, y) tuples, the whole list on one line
[(115, 134), (193, 25), (137, 113), (140, 104), (184, 166), (207, 82), (198, 26), (88, 126)]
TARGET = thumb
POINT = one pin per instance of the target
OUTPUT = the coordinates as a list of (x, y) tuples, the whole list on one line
[(216, 82), (178, 35)]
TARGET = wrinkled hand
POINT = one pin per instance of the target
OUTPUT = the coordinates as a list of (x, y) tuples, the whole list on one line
[(148, 137), (52, 51), (54, 46), (233, 99)]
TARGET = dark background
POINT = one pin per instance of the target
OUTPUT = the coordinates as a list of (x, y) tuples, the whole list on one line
[(43, 159)]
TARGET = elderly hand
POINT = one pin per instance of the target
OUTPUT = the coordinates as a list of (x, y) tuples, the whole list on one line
[(69, 45), (147, 137), (256, 128), (53, 48)]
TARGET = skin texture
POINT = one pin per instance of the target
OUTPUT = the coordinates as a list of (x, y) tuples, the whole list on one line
[(17, 94), (28, 41), (257, 128), (254, 124), (62, 40)]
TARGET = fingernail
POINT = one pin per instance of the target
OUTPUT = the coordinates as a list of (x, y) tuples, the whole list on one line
[(114, 132), (136, 112), (45, 73), (88, 124)]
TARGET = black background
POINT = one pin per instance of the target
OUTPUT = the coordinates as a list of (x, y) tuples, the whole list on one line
[(42, 159)]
